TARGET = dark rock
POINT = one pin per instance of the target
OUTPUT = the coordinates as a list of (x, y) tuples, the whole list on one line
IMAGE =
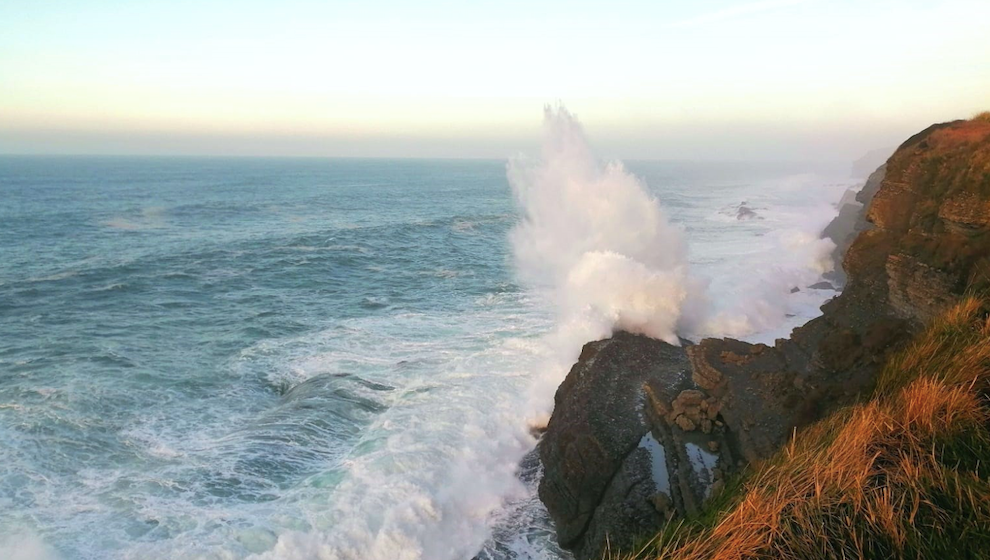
[(745, 213), (662, 503), (821, 286), (599, 419), (537, 431), (624, 419), (628, 509), (644, 432), (756, 393)]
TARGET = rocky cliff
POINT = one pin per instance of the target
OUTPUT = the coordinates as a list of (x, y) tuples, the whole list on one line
[(644, 432), (850, 222)]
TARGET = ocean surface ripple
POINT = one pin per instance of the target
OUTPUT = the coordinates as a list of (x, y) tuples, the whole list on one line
[(305, 358)]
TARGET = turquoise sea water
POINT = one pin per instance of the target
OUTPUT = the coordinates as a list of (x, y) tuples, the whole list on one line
[(296, 358)]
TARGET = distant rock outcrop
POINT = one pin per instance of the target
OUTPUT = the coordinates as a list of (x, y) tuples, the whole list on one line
[(745, 212), (865, 165), (850, 222), (644, 431)]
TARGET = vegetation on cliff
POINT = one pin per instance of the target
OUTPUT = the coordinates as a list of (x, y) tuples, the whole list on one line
[(905, 474), (866, 434)]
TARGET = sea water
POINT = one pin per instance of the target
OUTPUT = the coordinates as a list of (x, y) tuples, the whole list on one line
[(316, 358)]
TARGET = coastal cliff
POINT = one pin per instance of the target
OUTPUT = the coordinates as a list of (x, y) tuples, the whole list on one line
[(644, 432)]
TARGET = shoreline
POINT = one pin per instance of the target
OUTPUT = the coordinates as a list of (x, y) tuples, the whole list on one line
[(747, 400)]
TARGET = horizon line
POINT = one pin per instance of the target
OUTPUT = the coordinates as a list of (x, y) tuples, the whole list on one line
[(403, 158)]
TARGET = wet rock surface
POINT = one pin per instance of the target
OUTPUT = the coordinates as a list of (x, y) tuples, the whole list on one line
[(615, 453), (598, 422), (644, 432)]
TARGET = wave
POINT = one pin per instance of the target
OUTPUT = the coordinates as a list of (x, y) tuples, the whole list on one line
[(596, 239), (425, 477)]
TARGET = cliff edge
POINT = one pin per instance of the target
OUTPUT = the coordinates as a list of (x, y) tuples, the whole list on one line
[(644, 432)]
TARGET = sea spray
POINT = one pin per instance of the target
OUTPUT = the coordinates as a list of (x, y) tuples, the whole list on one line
[(595, 240), (287, 416), (761, 301), (26, 546), (753, 292), (592, 239), (430, 472)]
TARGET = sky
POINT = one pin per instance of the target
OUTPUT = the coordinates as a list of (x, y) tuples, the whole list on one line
[(650, 79)]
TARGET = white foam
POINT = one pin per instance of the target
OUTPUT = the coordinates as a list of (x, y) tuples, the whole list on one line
[(434, 471), (25, 546), (595, 238), (427, 477)]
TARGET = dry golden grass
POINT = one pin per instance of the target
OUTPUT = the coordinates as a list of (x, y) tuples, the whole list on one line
[(905, 475), (953, 349), (984, 116)]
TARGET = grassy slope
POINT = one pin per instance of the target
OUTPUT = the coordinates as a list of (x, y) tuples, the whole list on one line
[(903, 475)]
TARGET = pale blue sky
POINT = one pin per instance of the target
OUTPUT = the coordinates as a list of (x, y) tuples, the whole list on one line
[(701, 79)]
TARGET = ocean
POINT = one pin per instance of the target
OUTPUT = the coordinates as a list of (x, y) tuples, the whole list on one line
[(334, 358)]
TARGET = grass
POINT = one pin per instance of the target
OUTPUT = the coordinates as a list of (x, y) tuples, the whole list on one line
[(984, 116), (903, 475)]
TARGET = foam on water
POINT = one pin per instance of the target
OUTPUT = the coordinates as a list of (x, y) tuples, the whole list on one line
[(321, 359), (425, 477), (596, 239)]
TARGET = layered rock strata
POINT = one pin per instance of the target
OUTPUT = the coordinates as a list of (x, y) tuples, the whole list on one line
[(644, 432)]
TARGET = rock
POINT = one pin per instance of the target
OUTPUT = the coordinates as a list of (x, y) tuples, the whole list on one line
[(706, 376), (821, 286), (631, 408), (865, 165), (757, 398), (706, 426), (966, 213), (536, 429), (745, 213), (712, 406), (688, 397), (849, 196), (627, 510), (613, 444), (795, 290), (664, 506), (850, 222), (917, 290), (684, 423), (599, 420), (930, 240)]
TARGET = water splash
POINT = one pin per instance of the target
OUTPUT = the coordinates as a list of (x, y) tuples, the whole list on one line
[(596, 240)]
